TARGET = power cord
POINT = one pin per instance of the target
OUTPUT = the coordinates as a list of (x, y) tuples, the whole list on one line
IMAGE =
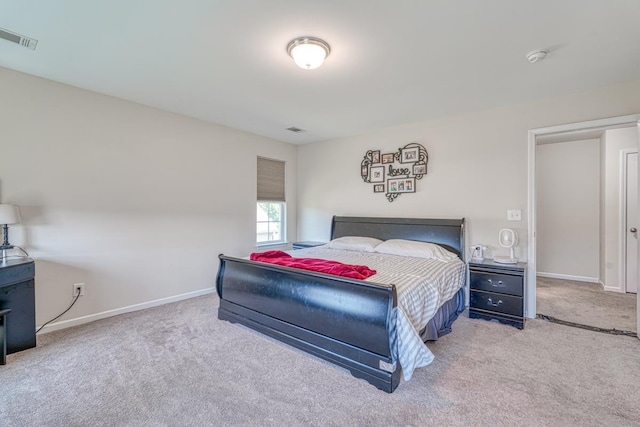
[(23, 251), (60, 315), (613, 331), (26, 254)]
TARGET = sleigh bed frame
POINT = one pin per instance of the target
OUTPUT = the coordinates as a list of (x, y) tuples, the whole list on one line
[(344, 321)]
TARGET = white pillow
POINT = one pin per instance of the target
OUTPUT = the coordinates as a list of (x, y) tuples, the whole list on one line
[(354, 243), (415, 249)]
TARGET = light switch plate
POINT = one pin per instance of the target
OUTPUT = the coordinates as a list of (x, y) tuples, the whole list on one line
[(514, 215)]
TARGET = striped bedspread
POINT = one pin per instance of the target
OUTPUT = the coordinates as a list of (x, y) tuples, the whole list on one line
[(422, 285)]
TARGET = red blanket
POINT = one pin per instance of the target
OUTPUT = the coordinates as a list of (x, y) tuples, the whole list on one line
[(314, 264)]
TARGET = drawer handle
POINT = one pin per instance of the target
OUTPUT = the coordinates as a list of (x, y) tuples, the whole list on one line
[(490, 302), (496, 285)]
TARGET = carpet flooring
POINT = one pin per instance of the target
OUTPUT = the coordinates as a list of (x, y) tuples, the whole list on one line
[(178, 365), (586, 303)]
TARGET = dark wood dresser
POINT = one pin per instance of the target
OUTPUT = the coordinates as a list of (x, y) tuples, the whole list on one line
[(497, 292), (17, 292)]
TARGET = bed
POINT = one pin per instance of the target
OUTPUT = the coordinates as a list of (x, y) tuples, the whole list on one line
[(349, 322)]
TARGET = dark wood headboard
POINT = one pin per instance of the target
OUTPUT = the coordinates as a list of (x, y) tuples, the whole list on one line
[(448, 233)]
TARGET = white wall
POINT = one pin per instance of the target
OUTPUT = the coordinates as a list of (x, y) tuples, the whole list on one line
[(614, 141), (137, 203), (477, 168), (470, 174), (568, 209), (134, 202)]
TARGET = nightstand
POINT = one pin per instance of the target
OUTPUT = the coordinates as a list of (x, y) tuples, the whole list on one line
[(17, 293), (307, 244), (497, 292)]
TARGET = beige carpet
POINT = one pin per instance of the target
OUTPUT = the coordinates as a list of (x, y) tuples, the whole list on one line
[(177, 365), (585, 303)]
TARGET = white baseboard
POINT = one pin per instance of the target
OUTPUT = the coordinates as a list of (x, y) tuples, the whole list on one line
[(569, 277), (109, 313), (613, 289)]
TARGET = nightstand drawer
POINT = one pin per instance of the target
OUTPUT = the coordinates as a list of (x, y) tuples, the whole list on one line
[(499, 303), (503, 283)]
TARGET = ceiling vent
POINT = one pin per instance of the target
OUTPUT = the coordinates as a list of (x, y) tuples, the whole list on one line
[(18, 39), (295, 129)]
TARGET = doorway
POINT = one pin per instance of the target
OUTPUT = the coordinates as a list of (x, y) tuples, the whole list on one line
[(630, 221), (583, 130)]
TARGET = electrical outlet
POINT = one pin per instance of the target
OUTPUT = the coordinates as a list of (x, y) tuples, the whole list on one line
[(78, 287)]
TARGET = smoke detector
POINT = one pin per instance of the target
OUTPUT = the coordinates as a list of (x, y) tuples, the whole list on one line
[(536, 56)]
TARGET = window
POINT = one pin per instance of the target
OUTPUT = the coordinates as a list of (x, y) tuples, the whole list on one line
[(270, 222), (271, 207)]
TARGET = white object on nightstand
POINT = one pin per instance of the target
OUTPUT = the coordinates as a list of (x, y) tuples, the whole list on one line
[(476, 254), (508, 239)]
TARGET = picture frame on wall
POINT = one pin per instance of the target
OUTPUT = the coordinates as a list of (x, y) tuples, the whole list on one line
[(401, 185), (419, 169), (376, 174), (387, 158), (409, 155), (381, 169), (375, 156), (409, 185)]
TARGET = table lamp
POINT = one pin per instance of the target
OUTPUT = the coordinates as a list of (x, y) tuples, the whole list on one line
[(9, 214)]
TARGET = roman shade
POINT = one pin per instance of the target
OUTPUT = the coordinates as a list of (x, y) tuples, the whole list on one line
[(270, 180)]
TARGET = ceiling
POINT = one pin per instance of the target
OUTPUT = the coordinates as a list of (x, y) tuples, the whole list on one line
[(391, 62)]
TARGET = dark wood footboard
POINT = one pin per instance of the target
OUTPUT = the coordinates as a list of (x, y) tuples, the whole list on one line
[(344, 321)]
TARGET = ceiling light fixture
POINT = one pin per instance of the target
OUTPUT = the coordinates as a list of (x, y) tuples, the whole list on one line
[(308, 52)]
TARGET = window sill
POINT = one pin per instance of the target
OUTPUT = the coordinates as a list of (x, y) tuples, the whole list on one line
[(273, 245)]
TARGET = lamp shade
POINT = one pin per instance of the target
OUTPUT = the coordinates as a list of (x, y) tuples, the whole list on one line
[(9, 214)]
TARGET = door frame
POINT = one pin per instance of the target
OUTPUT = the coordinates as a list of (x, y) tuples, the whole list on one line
[(533, 134), (624, 153)]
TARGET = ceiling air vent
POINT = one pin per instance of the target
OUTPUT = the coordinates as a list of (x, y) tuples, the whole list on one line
[(295, 129), (18, 39)]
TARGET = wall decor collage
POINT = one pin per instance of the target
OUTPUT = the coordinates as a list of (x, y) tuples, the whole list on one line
[(395, 173)]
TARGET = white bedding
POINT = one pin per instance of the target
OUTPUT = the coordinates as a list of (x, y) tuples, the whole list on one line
[(422, 286)]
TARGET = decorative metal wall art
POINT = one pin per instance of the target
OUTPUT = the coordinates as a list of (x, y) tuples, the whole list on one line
[(395, 173)]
